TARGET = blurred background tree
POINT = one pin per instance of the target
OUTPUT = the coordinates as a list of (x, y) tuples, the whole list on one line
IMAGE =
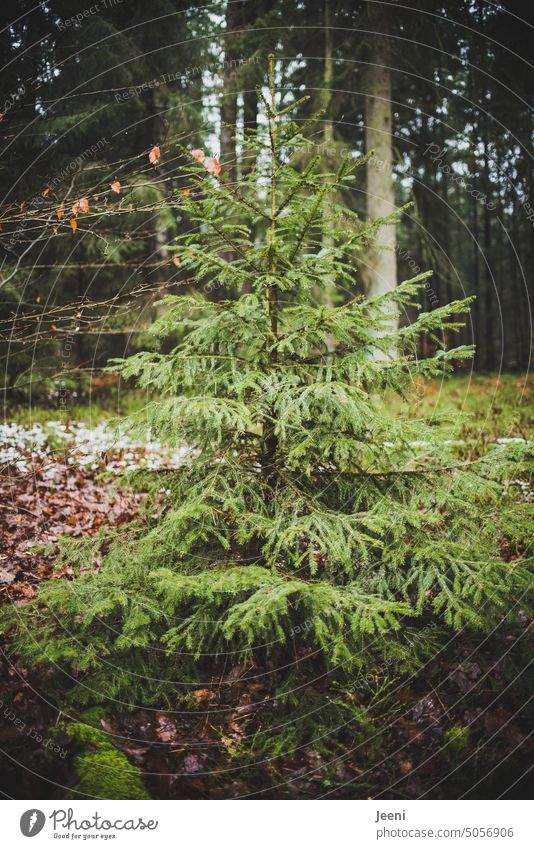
[(441, 92)]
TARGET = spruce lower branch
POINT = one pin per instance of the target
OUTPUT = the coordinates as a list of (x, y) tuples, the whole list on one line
[(235, 247)]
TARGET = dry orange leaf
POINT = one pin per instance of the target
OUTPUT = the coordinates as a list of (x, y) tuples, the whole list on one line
[(53, 327), (73, 224), (154, 155), (54, 231), (187, 191), (76, 207), (202, 695), (212, 165), (116, 187), (84, 205), (45, 192), (60, 212)]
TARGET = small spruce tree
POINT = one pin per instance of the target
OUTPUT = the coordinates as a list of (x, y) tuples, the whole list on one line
[(310, 528)]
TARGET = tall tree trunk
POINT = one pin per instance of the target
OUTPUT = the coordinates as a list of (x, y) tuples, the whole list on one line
[(476, 289), (156, 131), (250, 121), (443, 282), (524, 335), (325, 98), (250, 117), (229, 91), (381, 271), (490, 341), (325, 95), (487, 339), (247, 163), (228, 112), (512, 326)]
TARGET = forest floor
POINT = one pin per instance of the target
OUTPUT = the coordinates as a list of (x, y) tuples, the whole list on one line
[(456, 728)]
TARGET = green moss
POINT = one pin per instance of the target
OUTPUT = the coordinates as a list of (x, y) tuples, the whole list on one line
[(101, 770), (93, 716), (457, 739)]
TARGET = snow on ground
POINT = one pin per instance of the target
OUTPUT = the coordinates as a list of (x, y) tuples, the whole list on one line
[(101, 446), (22, 446)]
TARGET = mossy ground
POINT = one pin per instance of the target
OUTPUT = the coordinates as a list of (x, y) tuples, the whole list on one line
[(100, 770), (493, 405)]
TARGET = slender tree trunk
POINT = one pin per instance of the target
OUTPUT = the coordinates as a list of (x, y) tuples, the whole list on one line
[(325, 100), (229, 92), (229, 95), (325, 96), (511, 316), (488, 296), (250, 122), (271, 298), (156, 131), (524, 334), (442, 212), (488, 287), (381, 266), (478, 307)]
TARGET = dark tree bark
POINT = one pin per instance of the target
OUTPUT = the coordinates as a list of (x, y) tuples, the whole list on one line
[(156, 131), (229, 92)]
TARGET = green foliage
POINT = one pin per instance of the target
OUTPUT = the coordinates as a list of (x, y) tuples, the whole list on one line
[(310, 522), (457, 739)]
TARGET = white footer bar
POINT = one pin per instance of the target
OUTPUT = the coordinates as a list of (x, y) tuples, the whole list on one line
[(272, 824)]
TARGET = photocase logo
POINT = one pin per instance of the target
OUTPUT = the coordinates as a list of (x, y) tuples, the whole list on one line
[(31, 822)]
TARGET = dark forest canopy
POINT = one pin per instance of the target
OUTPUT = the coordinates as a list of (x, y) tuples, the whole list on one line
[(89, 90)]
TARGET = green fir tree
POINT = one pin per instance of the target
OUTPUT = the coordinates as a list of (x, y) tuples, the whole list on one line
[(311, 530)]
